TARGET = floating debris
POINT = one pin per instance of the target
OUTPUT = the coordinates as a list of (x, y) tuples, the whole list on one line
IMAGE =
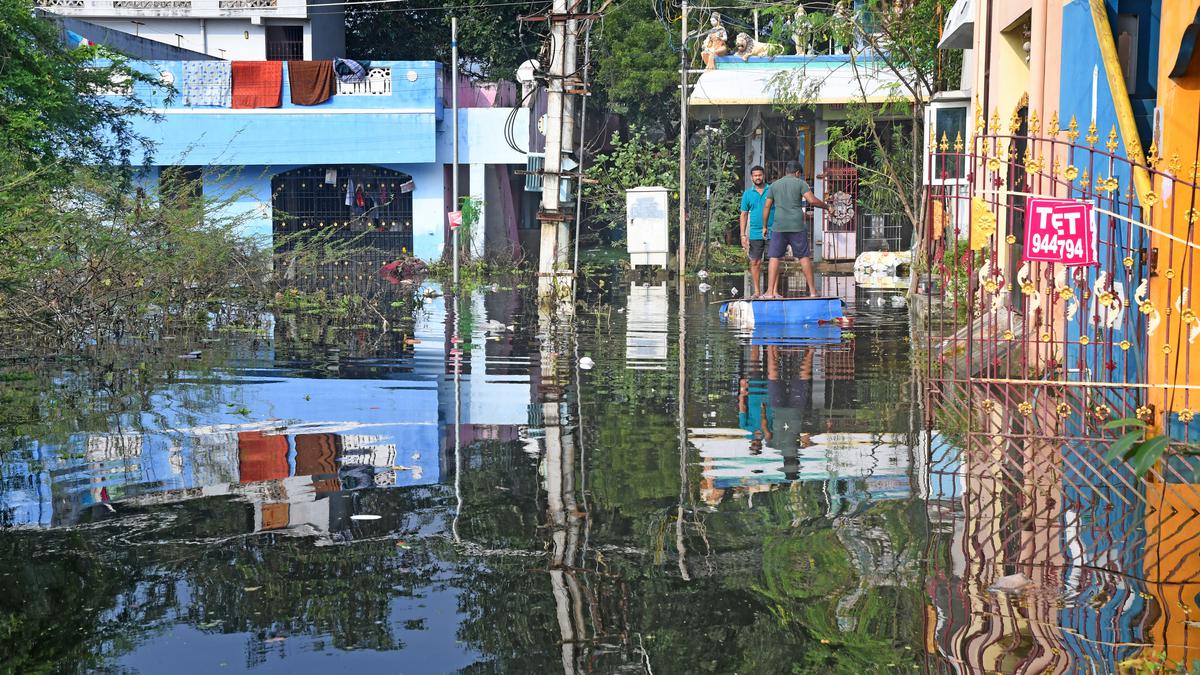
[(586, 363), (1013, 583), (365, 516)]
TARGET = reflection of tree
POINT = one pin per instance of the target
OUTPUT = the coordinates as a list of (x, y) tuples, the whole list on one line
[(73, 598)]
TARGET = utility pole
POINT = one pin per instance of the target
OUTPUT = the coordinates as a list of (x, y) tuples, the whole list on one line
[(683, 124), (559, 131), (454, 113)]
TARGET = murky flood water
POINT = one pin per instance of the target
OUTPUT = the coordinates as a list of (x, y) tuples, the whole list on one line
[(331, 501)]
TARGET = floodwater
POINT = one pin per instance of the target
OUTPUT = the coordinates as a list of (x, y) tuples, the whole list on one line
[(468, 493)]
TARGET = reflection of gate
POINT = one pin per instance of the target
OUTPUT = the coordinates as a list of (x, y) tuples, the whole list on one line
[(1027, 363), (840, 190)]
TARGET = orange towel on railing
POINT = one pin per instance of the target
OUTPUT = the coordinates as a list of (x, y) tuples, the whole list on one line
[(311, 82), (257, 84)]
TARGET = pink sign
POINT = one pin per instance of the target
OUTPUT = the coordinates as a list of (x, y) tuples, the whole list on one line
[(1060, 231), (455, 218)]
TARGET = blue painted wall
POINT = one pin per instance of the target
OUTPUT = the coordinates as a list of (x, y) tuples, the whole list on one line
[(1083, 79)]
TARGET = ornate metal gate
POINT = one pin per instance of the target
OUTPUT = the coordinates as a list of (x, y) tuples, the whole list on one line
[(1026, 363)]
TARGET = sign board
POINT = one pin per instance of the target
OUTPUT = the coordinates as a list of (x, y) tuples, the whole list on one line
[(455, 219), (1060, 231)]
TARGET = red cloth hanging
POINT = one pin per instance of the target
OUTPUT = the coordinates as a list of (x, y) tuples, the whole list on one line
[(257, 84)]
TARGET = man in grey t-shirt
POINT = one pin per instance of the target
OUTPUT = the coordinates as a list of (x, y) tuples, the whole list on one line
[(788, 196)]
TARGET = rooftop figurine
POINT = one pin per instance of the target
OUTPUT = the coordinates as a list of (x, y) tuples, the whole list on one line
[(747, 46), (716, 44)]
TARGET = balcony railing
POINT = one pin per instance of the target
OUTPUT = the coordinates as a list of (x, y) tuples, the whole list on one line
[(248, 4), (152, 4), (173, 8), (377, 83)]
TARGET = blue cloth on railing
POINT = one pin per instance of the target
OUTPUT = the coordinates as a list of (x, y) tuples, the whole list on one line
[(206, 83), (349, 71)]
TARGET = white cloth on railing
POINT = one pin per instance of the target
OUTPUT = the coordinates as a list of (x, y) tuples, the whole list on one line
[(206, 83)]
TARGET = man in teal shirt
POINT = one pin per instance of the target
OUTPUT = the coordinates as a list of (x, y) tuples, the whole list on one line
[(754, 237), (787, 197)]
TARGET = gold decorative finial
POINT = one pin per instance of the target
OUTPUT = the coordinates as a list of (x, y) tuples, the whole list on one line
[(958, 142), (1054, 128), (1035, 124), (1152, 158), (994, 123), (1175, 164), (1112, 140), (1072, 130), (980, 122), (1092, 136), (944, 146), (1014, 124)]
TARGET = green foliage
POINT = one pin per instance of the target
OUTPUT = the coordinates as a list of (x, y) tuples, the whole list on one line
[(492, 41), (1140, 447), (636, 61), (637, 161), (95, 262), (883, 141), (53, 113)]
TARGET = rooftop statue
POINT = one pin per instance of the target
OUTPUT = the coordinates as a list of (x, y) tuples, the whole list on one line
[(747, 46), (800, 30), (716, 44)]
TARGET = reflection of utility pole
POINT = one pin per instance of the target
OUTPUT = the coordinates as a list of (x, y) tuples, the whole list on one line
[(680, 548), (565, 517), (456, 362)]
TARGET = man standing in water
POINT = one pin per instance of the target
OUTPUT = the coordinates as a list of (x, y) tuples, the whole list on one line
[(754, 239), (787, 197)]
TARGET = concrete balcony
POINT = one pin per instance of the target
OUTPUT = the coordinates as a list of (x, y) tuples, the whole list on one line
[(178, 9)]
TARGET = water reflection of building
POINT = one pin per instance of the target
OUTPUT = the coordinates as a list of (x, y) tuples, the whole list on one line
[(315, 437)]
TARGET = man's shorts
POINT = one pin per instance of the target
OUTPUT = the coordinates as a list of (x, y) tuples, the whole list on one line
[(758, 249), (781, 240)]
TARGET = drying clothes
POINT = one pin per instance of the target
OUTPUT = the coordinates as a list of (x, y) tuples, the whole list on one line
[(349, 192), (311, 82), (359, 200), (206, 83), (257, 84), (349, 71)]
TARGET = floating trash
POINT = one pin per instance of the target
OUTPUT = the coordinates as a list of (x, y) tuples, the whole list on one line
[(365, 516)]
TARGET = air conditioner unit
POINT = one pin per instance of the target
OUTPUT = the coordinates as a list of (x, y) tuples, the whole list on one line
[(535, 162)]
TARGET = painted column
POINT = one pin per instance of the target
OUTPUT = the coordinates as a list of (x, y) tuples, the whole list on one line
[(820, 155), (755, 146), (478, 183)]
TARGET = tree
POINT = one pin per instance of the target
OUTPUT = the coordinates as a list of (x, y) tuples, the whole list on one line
[(636, 65), (55, 112), (637, 161), (492, 40), (883, 141)]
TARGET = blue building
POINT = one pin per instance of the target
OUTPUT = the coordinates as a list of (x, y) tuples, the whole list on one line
[(374, 158)]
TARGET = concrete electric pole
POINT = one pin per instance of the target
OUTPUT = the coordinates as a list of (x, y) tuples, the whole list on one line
[(559, 132)]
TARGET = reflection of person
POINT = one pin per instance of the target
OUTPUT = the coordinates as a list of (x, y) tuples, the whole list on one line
[(790, 387), (716, 44), (754, 239), (787, 197), (755, 414)]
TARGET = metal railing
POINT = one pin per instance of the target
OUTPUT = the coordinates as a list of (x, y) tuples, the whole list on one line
[(1027, 359)]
